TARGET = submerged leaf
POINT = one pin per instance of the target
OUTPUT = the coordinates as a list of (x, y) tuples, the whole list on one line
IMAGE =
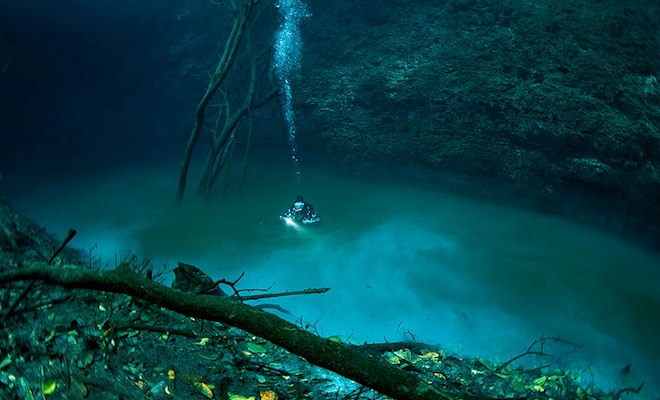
[(432, 355), (204, 389), (6, 361), (538, 388), (540, 381), (406, 354), (50, 336), (440, 375), (268, 395), (49, 387), (85, 360), (233, 396), (190, 378), (335, 339), (158, 388), (256, 348), (25, 388)]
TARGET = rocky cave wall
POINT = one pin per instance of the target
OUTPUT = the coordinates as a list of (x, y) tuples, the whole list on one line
[(554, 105)]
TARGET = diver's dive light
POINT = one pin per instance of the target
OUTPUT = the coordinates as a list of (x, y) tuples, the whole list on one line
[(292, 223)]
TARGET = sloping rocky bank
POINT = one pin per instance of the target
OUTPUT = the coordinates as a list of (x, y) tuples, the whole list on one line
[(77, 344)]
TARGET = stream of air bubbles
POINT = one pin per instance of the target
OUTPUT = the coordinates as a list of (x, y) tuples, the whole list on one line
[(286, 62)]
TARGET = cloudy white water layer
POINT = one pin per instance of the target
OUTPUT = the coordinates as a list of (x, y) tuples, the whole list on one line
[(403, 263)]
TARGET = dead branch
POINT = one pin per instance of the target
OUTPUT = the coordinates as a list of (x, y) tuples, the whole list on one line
[(541, 342), (237, 295), (225, 63), (70, 234), (344, 360), (30, 285), (628, 390), (283, 294), (231, 284)]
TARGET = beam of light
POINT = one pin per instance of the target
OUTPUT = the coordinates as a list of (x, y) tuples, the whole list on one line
[(290, 222)]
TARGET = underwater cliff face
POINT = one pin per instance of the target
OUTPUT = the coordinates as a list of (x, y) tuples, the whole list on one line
[(551, 104)]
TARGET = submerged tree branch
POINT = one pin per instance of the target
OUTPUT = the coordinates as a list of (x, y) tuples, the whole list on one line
[(540, 342), (282, 294), (222, 69), (344, 360)]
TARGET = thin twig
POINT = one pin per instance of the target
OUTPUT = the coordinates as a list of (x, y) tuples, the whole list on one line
[(287, 293), (232, 285), (541, 352), (628, 390), (69, 235), (30, 285)]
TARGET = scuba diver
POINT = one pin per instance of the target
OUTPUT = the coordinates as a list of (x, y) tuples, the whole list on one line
[(301, 212)]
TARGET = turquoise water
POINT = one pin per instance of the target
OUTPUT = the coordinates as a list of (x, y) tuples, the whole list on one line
[(403, 263)]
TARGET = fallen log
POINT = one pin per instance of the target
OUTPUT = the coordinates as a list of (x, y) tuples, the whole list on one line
[(345, 360)]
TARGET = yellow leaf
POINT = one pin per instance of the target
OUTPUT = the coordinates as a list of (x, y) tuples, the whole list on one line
[(202, 341), (204, 389), (439, 375), (403, 353), (432, 355), (538, 388), (394, 360), (268, 395), (233, 396), (171, 374), (49, 387)]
